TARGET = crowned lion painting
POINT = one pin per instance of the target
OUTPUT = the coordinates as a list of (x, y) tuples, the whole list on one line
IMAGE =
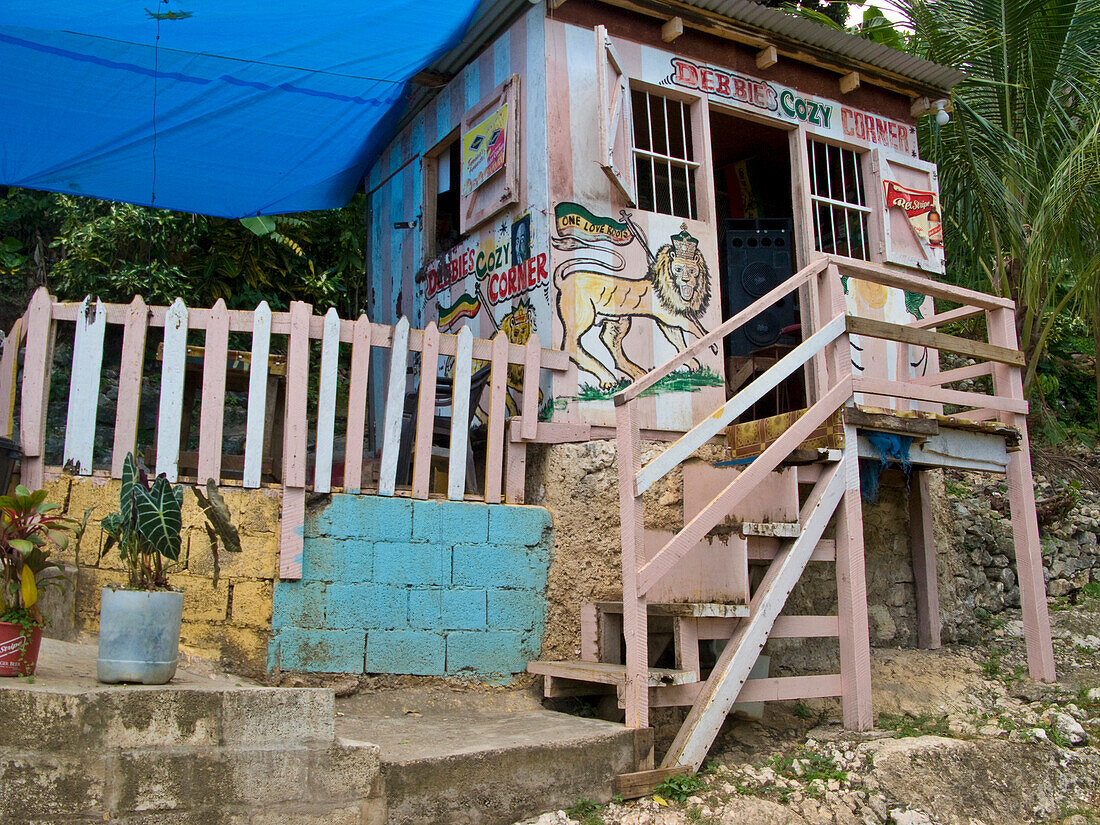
[(674, 293)]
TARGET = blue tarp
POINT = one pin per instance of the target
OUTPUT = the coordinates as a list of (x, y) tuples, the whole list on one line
[(221, 107)]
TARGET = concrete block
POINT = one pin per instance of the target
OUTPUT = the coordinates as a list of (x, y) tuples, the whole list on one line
[(48, 786), (254, 511), (488, 565), (320, 651), (512, 524), (348, 770), (523, 610), (143, 719), (267, 716), (425, 607), (415, 564), (251, 603), (298, 604), (404, 651), (258, 558), (365, 606), (371, 517), (334, 559), (447, 522), (463, 610), (202, 602), (487, 652)]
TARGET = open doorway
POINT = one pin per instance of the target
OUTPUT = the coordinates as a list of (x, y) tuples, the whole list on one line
[(752, 170)]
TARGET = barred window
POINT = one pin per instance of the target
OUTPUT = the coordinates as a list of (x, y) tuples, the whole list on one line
[(839, 200), (664, 157)]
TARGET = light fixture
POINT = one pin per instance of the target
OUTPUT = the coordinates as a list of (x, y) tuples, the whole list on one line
[(942, 115)]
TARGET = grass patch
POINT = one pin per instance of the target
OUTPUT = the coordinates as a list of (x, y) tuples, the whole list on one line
[(679, 788), (813, 766), (905, 724), (687, 381), (585, 812)]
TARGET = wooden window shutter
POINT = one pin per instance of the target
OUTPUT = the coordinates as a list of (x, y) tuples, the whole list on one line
[(616, 120), (906, 183), (502, 189)]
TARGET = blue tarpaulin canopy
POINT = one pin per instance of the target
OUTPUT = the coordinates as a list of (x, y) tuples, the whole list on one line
[(221, 107)]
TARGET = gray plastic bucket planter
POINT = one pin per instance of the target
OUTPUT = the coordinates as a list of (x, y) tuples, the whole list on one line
[(139, 635)]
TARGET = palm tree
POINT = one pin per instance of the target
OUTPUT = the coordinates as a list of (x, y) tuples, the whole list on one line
[(1019, 162)]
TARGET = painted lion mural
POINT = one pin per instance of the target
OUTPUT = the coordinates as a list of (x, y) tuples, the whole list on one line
[(674, 293)]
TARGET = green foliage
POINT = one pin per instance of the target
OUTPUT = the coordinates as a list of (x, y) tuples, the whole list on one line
[(679, 788), (813, 766), (219, 527), (906, 724), (29, 530), (586, 812)]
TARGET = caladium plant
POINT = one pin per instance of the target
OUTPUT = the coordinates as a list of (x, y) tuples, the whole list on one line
[(29, 531), (148, 526)]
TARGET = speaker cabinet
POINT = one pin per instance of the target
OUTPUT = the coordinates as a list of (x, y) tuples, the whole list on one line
[(758, 259)]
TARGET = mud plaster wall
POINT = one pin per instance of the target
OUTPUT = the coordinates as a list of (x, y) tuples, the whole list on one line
[(229, 623), (578, 483)]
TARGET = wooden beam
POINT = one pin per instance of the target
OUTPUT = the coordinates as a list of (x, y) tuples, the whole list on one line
[(874, 328), (643, 783), (849, 82), (938, 395), (941, 318), (878, 274), (920, 106), (884, 422), (767, 57), (924, 563), (672, 29)]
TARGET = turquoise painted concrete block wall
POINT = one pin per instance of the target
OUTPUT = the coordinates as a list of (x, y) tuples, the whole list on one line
[(435, 588)]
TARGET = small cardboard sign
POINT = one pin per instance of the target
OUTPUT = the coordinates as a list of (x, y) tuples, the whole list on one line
[(483, 152)]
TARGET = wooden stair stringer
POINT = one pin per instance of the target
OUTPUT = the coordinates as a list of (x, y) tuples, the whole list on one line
[(732, 669)]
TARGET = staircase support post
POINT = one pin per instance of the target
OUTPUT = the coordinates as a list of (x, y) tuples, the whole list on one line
[(631, 530)]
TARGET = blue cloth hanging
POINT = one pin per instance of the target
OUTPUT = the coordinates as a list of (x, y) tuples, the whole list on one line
[(891, 448)]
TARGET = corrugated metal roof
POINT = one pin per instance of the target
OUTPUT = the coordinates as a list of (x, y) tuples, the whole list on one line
[(494, 15)]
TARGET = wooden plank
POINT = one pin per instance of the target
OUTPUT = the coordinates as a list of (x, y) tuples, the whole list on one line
[(849, 82), (256, 418), (515, 471), (632, 543), (889, 423), (460, 415), (292, 533), (901, 333), (694, 531), (610, 636), (713, 424), (590, 637), (1025, 524), (766, 57), (698, 610), (357, 405), (172, 370), (672, 29), (851, 582), (9, 371), (642, 783), (866, 271), (785, 627), (923, 545), (425, 413), (825, 550), (721, 331), (904, 389), (91, 324), (211, 422), (532, 369), (770, 529), (297, 389), (685, 636), (951, 376), (942, 318), (732, 669), (37, 366), (129, 383), (605, 673), (326, 403), (764, 689), (498, 392), (395, 409)]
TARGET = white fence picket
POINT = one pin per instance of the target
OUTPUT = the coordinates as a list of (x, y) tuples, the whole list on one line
[(170, 414), (257, 395), (326, 403), (91, 323), (395, 409), (460, 415)]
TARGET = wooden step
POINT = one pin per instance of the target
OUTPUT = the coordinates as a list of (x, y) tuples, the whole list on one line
[(694, 610), (604, 673)]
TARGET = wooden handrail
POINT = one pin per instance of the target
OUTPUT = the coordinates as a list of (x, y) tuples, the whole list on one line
[(874, 328), (939, 395), (866, 271), (718, 333), (951, 315)]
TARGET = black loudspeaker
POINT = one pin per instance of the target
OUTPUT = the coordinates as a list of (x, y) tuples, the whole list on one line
[(758, 259)]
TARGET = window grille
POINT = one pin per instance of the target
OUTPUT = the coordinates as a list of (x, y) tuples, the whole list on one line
[(664, 157), (839, 201)]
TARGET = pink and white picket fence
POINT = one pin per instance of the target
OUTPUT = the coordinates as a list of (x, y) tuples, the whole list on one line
[(25, 388)]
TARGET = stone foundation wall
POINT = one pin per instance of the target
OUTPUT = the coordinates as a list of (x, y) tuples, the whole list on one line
[(229, 623)]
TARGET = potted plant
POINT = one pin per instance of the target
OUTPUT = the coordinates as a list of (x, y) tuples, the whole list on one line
[(139, 625), (29, 530)]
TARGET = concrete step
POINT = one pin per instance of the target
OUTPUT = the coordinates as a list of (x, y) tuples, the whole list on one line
[(486, 756)]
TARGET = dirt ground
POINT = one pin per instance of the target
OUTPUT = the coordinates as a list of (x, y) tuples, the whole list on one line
[(962, 737)]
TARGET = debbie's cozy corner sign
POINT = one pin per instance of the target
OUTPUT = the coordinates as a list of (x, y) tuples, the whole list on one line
[(483, 149)]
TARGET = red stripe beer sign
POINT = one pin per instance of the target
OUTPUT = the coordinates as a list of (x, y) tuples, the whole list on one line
[(922, 209)]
